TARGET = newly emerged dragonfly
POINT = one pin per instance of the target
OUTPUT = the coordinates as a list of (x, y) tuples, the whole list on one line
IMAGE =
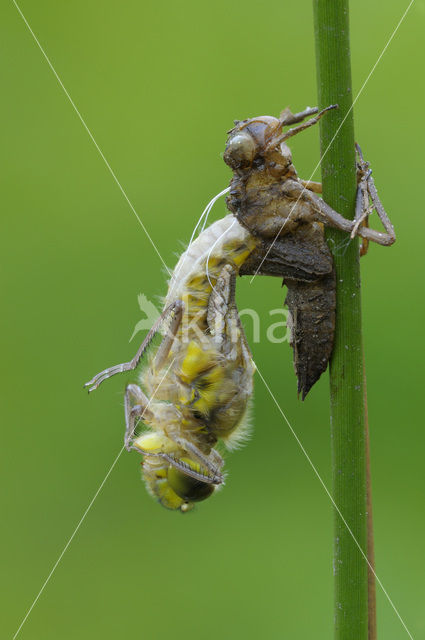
[(195, 389)]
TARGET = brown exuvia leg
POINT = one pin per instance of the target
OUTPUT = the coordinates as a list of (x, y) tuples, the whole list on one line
[(359, 226), (363, 207), (333, 219), (287, 117), (312, 186), (305, 125)]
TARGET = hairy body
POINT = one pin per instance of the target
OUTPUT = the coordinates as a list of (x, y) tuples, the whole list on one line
[(204, 382)]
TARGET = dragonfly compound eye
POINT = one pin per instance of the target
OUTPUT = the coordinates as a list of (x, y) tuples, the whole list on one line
[(188, 488), (240, 151)]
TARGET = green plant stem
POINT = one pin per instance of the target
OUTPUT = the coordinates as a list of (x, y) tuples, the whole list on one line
[(346, 368), (371, 582)]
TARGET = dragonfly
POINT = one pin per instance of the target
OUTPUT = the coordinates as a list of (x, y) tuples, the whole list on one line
[(194, 391)]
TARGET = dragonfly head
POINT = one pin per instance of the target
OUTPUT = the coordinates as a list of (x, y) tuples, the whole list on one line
[(171, 476), (172, 487)]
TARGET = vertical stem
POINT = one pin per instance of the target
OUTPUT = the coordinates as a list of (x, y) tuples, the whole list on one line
[(346, 367), (371, 582)]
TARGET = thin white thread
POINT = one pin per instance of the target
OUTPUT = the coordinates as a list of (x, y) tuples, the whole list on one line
[(334, 136), (85, 514), (213, 201), (90, 135), (319, 477), (210, 251), (205, 213)]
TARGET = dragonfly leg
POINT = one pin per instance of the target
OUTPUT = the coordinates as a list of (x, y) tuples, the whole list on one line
[(222, 313), (136, 406), (166, 344), (211, 463), (173, 309)]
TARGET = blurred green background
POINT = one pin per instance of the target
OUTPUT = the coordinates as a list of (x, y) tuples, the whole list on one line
[(159, 84)]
